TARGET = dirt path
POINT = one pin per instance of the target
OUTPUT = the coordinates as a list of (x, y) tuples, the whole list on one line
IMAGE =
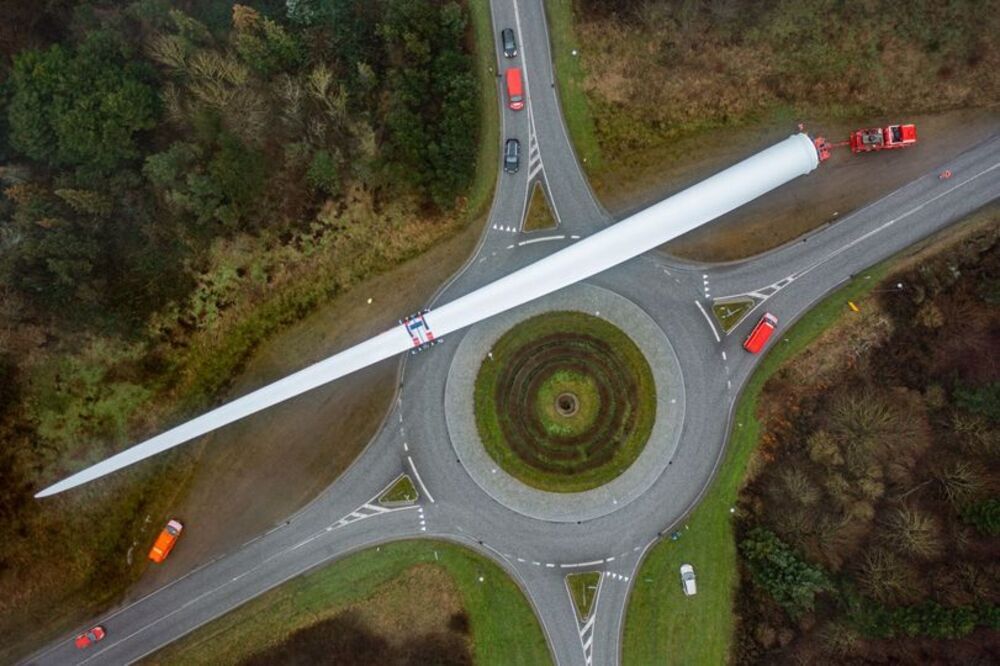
[(844, 183), (257, 471)]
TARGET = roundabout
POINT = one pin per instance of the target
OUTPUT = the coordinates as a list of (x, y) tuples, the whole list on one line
[(567, 408), (565, 401)]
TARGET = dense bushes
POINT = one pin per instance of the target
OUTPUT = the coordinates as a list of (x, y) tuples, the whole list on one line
[(984, 516), (240, 130), (774, 566), (929, 619), (879, 468), (83, 106)]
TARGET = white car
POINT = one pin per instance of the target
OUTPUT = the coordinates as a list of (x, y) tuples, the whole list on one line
[(687, 580)]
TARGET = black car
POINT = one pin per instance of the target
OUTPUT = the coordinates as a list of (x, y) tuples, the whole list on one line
[(509, 45), (512, 156)]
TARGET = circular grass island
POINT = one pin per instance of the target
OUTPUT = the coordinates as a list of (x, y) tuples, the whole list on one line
[(564, 402)]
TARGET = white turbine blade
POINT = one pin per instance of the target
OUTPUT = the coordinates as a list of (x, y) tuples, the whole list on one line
[(371, 351), (647, 229), (700, 203)]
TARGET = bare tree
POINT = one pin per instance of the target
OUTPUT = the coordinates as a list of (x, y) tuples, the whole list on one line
[(914, 532)]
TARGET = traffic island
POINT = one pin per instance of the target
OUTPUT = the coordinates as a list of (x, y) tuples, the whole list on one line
[(583, 589), (400, 492), (565, 402), (562, 400), (731, 312)]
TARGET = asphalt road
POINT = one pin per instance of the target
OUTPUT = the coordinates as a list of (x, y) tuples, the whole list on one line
[(414, 439)]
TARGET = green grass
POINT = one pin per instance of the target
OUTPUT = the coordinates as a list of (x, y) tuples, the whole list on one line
[(584, 388), (502, 625), (539, 214), (402, 491), (570, 79), (582, 477), (481, 192), (583, 590), (730, 313), (663, 626)]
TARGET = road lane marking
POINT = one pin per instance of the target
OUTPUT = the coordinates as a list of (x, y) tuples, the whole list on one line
[(709, 320), (764, 293), (419, 480), (541, 240), (581, 564)]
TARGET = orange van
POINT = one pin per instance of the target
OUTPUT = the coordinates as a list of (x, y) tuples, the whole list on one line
[(515, 88), (165, 542)]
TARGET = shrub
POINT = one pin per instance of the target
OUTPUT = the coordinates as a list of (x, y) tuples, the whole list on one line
[(929, 620), (799, 487), (776, 568), (887, 578), (984, 400), (984, 516), (83, 107), (323, 173), (914, 532), (823, 449), (959, 482), (263, 44)]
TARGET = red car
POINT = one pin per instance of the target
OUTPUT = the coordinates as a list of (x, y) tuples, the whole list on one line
[(88, 638), (515, 89), (760, 333)]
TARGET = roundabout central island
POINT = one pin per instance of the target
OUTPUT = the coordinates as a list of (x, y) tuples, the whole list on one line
[(567, 408)]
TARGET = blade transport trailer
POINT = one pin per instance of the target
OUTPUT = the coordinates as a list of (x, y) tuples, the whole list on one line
[(419, 331)]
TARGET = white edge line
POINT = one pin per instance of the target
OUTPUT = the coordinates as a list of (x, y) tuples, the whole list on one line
[(419, 480), (709, 320)]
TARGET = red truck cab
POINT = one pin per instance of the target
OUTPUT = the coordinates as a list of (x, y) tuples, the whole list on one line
[(515, 88), (761, 333)]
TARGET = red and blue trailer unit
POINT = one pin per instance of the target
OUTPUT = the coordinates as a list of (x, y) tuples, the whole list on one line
[(419, 331)]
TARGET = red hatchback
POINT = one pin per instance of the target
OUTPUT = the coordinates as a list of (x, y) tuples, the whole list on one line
[(88, 638)]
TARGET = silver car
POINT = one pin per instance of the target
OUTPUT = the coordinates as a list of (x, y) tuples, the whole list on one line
[(687, 580)]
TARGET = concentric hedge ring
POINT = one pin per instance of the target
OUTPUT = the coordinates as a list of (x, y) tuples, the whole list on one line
[(556, 355)]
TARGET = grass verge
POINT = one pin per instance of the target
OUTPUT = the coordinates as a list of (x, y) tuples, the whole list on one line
[(730, 313), (502, 625), (402, 491), (539, 214), (583, 589), (570, 79), (481, 193), (662, 625)]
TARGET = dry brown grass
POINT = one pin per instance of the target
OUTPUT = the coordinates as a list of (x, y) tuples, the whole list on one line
[(421, 601), (664, 68)]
